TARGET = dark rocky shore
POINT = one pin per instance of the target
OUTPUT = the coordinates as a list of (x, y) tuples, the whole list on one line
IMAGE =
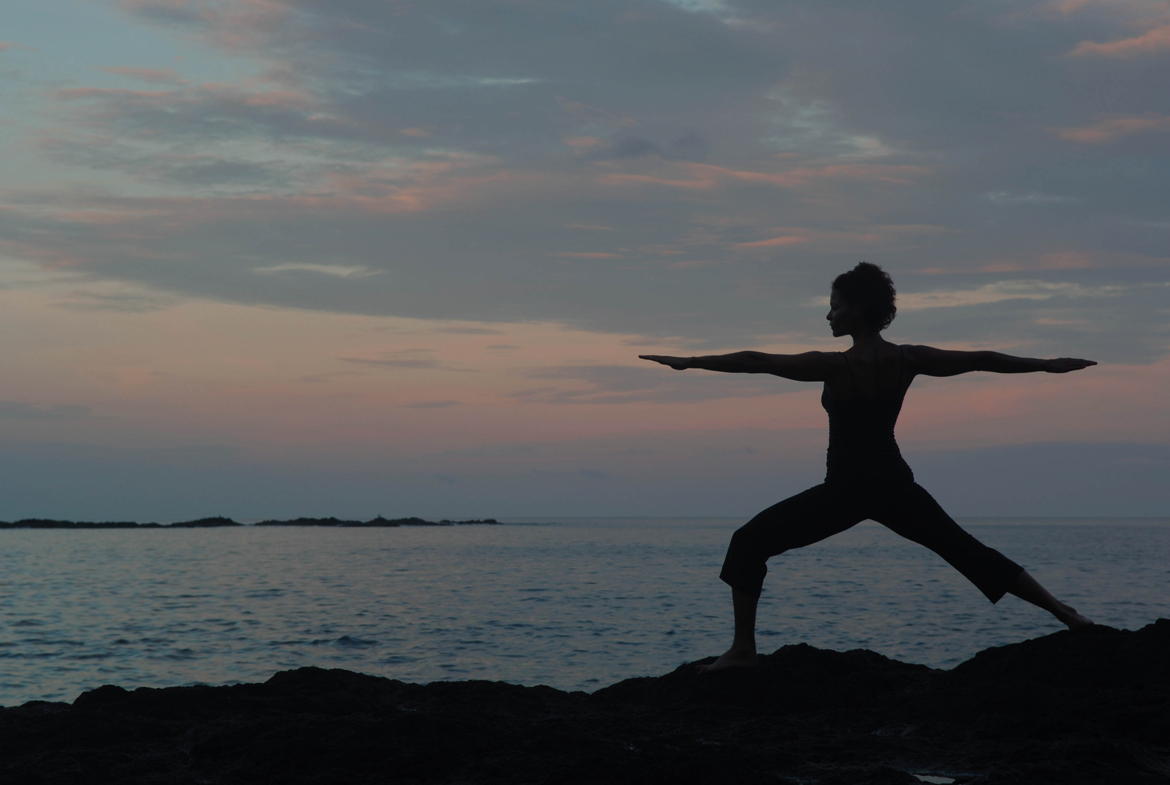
[(1086, 707)]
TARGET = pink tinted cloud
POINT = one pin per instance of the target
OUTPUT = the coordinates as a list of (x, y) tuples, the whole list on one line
[(869, 236), (235, 26), (708, 177), (774, 242), (1151, 42), (1062, 260), (1111, 128), (1071, 6), (241, 109), (583, 144), (161, 75), (131, 226), (1118, 8), (187, 108), (284, 99), (1054, 260), (225, 95), (81, 93), (418, 186)]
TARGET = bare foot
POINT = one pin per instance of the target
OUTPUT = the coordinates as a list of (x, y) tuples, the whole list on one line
[(732, 658), (1074, 620)]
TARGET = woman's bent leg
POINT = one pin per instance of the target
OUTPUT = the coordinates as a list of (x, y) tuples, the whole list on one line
[(797, 521), (801, 520), (742, 653)]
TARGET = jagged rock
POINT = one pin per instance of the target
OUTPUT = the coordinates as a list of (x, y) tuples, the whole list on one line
[(1090, 707)]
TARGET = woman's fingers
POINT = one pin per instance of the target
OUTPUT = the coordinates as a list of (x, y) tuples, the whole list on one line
[(678, 363), (1066, 364)]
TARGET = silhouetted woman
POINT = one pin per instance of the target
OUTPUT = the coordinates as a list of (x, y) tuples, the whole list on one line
[(867, 477)]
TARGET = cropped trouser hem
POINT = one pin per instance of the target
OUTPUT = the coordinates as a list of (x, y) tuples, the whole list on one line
[(820, 512)]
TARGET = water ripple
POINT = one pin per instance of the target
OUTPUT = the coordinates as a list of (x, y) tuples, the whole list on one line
[(577, 604)]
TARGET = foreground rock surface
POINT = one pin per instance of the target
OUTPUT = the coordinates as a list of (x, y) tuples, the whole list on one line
[(1086, 707)]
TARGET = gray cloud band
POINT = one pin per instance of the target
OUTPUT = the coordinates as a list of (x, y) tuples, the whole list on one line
[(690, 169)]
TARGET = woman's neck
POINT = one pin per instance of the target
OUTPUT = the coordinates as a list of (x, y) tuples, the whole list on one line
[(864, 341)]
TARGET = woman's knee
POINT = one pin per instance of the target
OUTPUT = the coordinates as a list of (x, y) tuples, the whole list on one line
[(747, 542), (745, 564)]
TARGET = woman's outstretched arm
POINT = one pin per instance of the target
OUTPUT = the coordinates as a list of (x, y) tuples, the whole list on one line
[(942, 362), (806, 367)]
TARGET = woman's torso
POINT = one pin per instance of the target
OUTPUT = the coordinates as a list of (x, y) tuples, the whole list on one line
[(863, 403)]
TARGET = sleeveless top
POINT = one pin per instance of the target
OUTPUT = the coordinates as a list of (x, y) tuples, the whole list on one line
[(862, 448)]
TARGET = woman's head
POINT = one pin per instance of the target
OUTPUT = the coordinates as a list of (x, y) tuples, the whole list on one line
[(868, 290)]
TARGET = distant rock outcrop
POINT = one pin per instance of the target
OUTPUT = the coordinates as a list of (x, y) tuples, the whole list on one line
[(376, 522), (210, 523), (206, 523), (42, 523), (1084, 708)]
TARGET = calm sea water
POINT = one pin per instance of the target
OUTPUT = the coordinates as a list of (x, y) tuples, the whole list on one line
[(572, 603)]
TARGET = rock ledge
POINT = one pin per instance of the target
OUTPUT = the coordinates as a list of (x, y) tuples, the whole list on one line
[(1089, 707)]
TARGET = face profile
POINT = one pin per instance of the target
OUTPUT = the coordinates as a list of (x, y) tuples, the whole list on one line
[(839, 315)]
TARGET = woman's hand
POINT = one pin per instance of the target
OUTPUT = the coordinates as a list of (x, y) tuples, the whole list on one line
[(677, 363), (1066, 364)]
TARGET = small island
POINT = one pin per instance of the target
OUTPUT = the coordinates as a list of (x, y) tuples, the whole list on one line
[(376, 522), (219, 521)]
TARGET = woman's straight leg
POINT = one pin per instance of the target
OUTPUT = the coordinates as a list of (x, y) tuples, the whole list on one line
[(914, 514)]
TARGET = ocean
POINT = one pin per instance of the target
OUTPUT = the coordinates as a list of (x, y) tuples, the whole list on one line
[(573, 603)]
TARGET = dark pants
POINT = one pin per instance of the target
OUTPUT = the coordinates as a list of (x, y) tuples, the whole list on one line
[(825, 510)]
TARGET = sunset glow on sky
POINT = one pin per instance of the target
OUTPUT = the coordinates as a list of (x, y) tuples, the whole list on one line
[(271, 258)]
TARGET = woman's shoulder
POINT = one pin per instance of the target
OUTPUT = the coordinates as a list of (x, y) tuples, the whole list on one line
[(885, 351)]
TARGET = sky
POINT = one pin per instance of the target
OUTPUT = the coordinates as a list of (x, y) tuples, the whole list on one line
[(273, 258)]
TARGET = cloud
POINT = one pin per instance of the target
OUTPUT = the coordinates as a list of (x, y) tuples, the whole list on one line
[(692, 146), (774, 242), (1002, 291), (616, 384), (1151, 42), (335, 270), (686, 177), (450, 157), (590, 227), (431, 404), (157, 75), (1110, 129), (456, 329), (407, 359), (169, 11), (594, 115), (321, 378), (708, 177), (117, 301), (173, 168), (214, 112), (1003, 197), (19, 410), (863, 238)]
